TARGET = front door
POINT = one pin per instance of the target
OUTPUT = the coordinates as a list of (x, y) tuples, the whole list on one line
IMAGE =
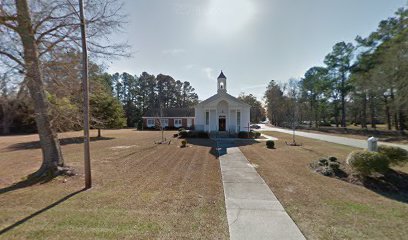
[(221, 124)]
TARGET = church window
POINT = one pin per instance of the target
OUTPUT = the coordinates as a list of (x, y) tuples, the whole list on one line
[(207, 118)]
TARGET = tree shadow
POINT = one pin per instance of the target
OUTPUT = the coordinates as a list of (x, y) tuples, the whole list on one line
[(29, 181), (16, 224), (63, 141), (393, 184)]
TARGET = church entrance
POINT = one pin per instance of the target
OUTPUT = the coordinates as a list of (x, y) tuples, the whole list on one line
[(221, 123)]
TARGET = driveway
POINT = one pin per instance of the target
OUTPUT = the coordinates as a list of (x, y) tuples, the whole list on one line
[(329, 138)]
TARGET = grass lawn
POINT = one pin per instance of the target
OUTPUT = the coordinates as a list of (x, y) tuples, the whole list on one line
[(323, 207), (140, 190)]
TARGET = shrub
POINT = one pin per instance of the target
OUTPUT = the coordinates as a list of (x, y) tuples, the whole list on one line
[(256, 134), (243, 134), (327, 171), (184, 134), (270, 144), (332, 159), (181, 129), (323, 162), (175, 135), (397, 156), (183, 143), (334, 165), (365, 163), (202, 134)]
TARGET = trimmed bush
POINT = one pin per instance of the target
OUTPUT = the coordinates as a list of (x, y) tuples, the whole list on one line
[(323, 162), (181, 129), (396, 155), (184, 134), (332, 159), (327, 171), (270, 144), (334, 165), (202, 134), (366, 163), (183, 143), (257, 134)]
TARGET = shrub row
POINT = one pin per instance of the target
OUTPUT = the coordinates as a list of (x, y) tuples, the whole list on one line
[(250, 134), (193, 134), (366, 163)]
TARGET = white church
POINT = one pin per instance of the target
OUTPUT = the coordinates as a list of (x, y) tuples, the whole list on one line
[(222, 112)]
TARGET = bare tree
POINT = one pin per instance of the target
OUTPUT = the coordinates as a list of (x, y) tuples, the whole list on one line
[(32, 32)]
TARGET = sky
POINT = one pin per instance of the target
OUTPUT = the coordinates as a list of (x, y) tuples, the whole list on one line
[(251, 41)]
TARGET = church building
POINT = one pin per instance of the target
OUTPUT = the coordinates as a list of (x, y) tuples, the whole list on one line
[(222, 112)]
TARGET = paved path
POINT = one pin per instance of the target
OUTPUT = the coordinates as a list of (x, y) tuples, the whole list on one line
[(253, 211), (329, 138)]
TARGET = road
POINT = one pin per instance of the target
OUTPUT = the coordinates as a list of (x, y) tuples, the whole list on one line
[(329, 138)]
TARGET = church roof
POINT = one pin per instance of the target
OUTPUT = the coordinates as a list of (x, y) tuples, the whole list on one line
[(170, 112), (222, 75), (223, 95)]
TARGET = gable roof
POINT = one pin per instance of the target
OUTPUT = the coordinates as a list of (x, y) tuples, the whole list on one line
[(223, 95), (170, 112)]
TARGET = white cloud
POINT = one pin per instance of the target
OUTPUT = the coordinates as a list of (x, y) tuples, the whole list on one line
[(209, 72), (174, 51)]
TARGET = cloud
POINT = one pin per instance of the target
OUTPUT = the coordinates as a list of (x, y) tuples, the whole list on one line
[(174, 51), (189, 66), (209, 72)]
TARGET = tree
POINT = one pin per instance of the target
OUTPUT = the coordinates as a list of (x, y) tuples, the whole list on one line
[(257, 110), (32, 33), (339, 64), (275, 103), (314, 87)]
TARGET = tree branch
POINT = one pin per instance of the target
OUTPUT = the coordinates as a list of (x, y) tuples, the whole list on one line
[(12, 58)]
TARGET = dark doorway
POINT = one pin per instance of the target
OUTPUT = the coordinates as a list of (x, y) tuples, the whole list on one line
[(221, 124)]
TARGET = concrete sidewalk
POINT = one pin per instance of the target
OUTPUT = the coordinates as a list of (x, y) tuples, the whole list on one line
[(253, 211)]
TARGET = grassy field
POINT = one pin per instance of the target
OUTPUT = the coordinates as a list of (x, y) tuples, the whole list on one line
[(141, 190), (323, 207)]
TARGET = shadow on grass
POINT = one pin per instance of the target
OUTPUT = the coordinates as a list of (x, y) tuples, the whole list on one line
[(393, 185), (31, 180), (219, 147), (63, 141), (16, 224)]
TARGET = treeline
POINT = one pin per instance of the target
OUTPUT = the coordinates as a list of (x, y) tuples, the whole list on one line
[(363, 83), (141, 93), (62, 82), (257, 111)]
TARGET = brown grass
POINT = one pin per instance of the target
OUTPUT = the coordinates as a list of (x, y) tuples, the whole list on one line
[(140, 190), (323, 207)]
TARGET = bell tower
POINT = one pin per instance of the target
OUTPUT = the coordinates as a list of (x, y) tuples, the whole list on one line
[(222, 83)]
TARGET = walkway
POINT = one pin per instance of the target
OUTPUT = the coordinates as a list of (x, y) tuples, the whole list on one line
[(329, 138), (253, 211)]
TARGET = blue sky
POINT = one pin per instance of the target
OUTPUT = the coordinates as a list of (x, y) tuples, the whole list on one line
[(252, 41)]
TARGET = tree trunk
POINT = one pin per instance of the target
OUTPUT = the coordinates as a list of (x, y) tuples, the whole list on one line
[(343, 101), (364, 112), (387, 113), (99, 133), (401, 120), (51, 151), (372, 112)]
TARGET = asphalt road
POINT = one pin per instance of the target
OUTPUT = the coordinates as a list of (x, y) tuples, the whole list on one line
[(329, 138)]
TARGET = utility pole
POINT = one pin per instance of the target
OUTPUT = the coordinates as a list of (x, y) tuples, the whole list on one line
[(85, 90)]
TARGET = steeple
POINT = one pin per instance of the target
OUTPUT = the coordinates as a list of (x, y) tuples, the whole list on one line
[(222, 83)]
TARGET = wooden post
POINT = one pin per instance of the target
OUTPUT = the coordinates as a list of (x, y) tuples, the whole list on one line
[(85, 89)]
